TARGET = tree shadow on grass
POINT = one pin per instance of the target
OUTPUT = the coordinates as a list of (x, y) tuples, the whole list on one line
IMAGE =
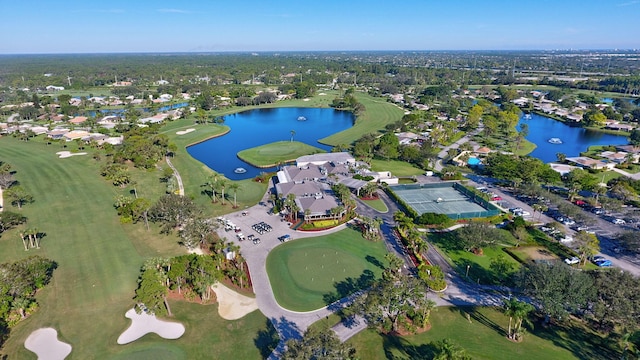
[(584, 344), (398, 348), (349, 286), (446, 241), (374, 261), (267, 340), (476, 273)]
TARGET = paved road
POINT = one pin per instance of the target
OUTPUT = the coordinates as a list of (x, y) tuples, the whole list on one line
[(291, 324)]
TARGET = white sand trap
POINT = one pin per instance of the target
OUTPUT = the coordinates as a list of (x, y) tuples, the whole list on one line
[(231, 305), (142, 324), (66, 154), (322, 94), (305, 99), (182, 132), (196, 250), (44, 342)]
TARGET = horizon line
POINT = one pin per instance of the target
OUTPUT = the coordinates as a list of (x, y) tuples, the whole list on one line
[(319, 51)]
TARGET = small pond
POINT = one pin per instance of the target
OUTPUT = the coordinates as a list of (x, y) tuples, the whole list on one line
[(263, 126), (574, 139)]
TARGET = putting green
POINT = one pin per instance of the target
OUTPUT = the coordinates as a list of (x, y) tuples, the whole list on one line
[(271, 154), (308, 274)]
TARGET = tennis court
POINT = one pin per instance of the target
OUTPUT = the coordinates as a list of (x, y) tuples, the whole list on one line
[(451, 199)]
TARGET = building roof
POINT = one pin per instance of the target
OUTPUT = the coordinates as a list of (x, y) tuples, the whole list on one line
[(78, 120), (587, 162), (318, 159)]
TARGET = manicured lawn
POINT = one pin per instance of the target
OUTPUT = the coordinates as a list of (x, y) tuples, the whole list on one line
[(207, 336), (98, 258), (194, 173), (309, 274), (278, 152), (526, 147), (397, 167), (376, 204), (484, 338), (377, 115), (478, 265), (529, 254)]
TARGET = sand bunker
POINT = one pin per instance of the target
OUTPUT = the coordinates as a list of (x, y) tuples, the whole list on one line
[(44, 342), (66, 154), (231, 305), (142, 324), (182, 132)]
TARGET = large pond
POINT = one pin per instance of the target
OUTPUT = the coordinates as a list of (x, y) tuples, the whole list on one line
[(574, 139), (263, 126)]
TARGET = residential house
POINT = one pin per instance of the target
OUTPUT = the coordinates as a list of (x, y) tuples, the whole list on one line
[(78, 120), (620, 127), (57, 134), (617, 157), (75, 135), (589, 163)]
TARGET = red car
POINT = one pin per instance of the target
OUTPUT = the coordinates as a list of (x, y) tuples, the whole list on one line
[(496, 198), (581, 203)]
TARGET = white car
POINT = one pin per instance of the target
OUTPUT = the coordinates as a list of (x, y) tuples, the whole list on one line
[(572, 261), (618, 221)]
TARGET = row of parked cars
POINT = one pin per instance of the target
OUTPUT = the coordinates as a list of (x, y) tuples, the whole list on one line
[(598, 260)]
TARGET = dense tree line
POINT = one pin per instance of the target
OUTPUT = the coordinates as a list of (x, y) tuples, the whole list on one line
[(189, 275), (19, 282)]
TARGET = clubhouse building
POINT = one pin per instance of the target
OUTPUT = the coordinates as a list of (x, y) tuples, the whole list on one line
[(310, 179)]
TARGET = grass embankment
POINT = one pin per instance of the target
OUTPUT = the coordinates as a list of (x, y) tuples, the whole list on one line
[(478, 265), (270, 155), (376, 204), (484, 337), (396, 167), (98, 258), (194, 173), (304, 274), (377, 115)]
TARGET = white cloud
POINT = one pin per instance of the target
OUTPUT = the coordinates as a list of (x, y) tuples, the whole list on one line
[(628, 3)]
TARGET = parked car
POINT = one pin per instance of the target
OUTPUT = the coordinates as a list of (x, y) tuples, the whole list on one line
[(597, 258), (572, 260), (569, 222), (496, 198), (604, 263), (597, 211), (618, 221)]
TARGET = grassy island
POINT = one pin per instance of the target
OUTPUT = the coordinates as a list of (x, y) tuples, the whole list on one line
[(270, 155)]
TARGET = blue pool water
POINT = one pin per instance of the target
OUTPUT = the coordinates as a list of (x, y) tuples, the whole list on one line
[(473, 161)]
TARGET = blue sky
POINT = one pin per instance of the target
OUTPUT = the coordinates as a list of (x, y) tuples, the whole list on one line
[(65, 26)]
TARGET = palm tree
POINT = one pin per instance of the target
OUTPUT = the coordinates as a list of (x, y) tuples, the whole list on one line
[(212, 183), (222, 183), (517, 311), (293, 132), (234, 186)]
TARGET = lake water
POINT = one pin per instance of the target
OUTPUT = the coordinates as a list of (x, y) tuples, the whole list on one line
[(574, 139), (263, 126)]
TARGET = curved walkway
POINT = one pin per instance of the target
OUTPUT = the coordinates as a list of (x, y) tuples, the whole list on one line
[(177, 175)]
